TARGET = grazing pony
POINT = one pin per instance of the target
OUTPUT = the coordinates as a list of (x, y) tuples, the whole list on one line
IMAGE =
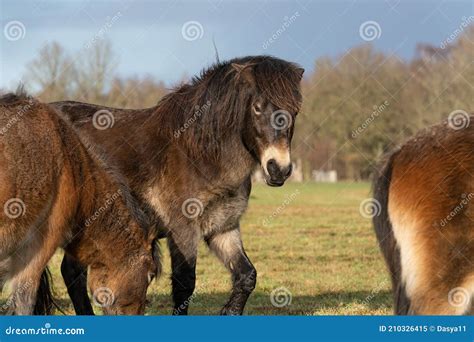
[(425, 227), (55, 192), (191, 157)]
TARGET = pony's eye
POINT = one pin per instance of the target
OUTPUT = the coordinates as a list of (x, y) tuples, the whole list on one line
[(257, 109)]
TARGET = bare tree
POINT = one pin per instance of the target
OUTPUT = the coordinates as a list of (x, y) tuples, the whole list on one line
[(136, 92), (51, 73), (96, 68)]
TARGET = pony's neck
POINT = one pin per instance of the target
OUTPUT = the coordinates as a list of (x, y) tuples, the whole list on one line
[(112, 217), (124, 235)]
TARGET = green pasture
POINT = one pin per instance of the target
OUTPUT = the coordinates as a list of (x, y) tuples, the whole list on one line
[(312, 250)]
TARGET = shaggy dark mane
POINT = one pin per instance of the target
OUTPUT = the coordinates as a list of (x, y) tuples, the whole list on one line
[(213, 105), (16, 98)]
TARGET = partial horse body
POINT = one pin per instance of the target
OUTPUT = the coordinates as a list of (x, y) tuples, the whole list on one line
[(425, 227), (56, 193), (190, 158)]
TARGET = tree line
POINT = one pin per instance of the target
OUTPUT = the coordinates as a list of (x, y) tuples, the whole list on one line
[(356, 106)]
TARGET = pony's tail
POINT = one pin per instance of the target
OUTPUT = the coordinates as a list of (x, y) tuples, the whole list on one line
[(45, 303), (385, 236)]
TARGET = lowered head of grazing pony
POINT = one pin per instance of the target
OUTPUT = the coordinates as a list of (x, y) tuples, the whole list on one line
[(132, 254), (118, 243)]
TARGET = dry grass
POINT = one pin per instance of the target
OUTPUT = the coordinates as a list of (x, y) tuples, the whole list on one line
[(308, 238)]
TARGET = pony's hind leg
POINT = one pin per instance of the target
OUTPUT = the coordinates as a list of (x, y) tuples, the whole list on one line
[(228, 247)]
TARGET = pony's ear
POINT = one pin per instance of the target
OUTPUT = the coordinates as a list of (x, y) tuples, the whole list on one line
[(300, 72), (245, 72)]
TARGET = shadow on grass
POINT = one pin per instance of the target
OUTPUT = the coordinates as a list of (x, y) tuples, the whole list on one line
[(260, 303)]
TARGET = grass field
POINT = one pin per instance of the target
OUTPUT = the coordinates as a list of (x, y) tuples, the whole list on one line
[(309, 241)]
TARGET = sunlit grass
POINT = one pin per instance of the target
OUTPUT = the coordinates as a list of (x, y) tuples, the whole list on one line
[(307, 238)]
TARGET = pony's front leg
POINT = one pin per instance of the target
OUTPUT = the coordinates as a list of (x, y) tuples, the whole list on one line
[(229, 249), (28, 271), (75, 278), (183, 243), (27, 267), (23, 298)]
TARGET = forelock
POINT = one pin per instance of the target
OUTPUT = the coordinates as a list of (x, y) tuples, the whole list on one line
[(279, 82)]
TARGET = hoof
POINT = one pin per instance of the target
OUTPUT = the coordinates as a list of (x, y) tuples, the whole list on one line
[(227, 311)]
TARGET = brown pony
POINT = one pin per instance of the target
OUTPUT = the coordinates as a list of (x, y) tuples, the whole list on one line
[(425, 226), (191, 156), (55, 192)]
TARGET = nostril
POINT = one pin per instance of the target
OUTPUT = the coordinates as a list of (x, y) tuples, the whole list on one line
[(272, 166)]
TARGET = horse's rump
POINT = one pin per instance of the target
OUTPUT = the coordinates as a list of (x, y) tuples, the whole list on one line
[(430, 213)]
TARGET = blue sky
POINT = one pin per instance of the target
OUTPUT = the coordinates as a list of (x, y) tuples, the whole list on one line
[(147, 36)]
